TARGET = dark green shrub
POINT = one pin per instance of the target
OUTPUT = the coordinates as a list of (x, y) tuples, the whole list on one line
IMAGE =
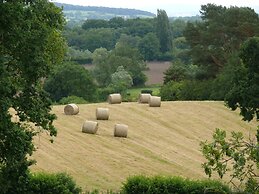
[(171, 91), (72, 99), (71, 80), (168, 56), (145, 91), (60, 183), (196, 90), (176, 72), (83, 61), (136, 184), (177, 185), (103, 93)]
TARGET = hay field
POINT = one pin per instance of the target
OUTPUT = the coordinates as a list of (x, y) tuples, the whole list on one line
[(162, 141)]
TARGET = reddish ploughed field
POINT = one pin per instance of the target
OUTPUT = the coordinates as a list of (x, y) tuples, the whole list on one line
[(155, 74)]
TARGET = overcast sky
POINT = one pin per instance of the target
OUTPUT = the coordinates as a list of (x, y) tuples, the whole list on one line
[(172, 7)]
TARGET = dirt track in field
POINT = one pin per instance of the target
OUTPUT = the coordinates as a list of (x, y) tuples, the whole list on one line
[(161, 141)]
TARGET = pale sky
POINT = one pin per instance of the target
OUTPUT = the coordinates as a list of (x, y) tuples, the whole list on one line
[(172, 7)]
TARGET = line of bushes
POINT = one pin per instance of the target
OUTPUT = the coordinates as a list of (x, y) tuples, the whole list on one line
[(44, 183), (62, 183), (194, 90), (177, 185)]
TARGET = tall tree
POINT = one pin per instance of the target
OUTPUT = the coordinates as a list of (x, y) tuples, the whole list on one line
[(219, 35), (245, 92), (238, 154), (30, 44), (163, 31)]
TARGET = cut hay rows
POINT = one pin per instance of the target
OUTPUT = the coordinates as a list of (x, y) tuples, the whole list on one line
[(160, 141)]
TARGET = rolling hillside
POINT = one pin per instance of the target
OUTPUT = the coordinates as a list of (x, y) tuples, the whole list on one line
[(77, 13), (161, 141)]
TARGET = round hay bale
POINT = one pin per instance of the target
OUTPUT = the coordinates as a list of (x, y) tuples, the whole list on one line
[(120, 130), (114, 99), (102, 113), (144, 98), (90, 127), (155, 101), (71, 109)]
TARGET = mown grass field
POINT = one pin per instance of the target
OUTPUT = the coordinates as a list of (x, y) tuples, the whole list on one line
[(161, 141)]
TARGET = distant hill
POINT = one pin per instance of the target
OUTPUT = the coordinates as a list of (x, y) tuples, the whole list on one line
[(77, 13)]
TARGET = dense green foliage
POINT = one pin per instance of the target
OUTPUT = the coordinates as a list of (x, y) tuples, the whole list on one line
[(30, 44), (176, 72), (60, 183), (236, 155), (163, 31), (171, 91), (240, 155), (219, 35), (68, 80), (245, 91), (106, 63), (79, 56), (162, 185), (149, 46), (215, 66), (152, 34), (121, 80), (72, 99)]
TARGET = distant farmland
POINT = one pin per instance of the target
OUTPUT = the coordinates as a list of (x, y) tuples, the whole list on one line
[(161, 141), (155, 73)]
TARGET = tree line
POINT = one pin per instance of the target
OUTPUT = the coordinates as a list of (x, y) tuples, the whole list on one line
[(94, 34)]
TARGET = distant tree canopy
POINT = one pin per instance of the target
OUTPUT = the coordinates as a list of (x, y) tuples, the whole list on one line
[(219, 35), (149, 46), (93, 38), (98, 23), (97, 33), (106, 63)]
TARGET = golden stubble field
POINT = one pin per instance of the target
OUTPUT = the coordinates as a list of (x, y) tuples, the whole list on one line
[(161, 141)]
